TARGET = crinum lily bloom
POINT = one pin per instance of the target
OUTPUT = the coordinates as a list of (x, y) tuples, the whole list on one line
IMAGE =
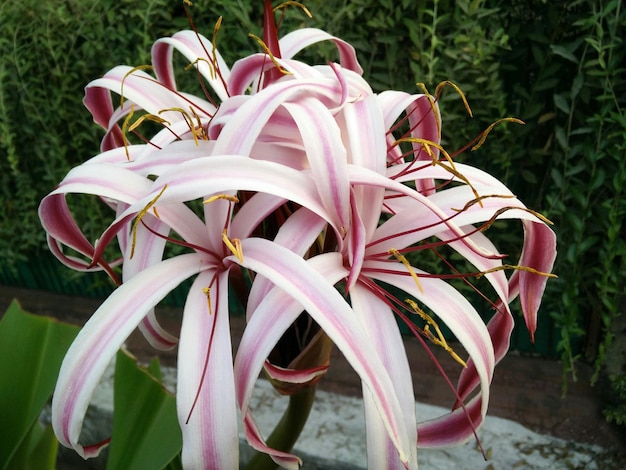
[(306, 187)]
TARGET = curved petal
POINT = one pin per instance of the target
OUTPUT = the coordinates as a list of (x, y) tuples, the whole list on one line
[(539, 253), (295, 41), (327, 307), (453, 310), (193, 46), (205, 398), (101, 337), (380, 324)]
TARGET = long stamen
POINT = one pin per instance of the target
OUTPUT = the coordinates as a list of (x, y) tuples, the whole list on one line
[(233, 245), (439, 89), (483, 134), (515, 267), (439, 340), (140, 216), (272, 57), (408, 266)]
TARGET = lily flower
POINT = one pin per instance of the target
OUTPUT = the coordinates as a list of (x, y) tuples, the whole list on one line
[(307, 185)]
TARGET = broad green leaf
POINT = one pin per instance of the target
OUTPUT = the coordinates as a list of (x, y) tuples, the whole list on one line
[(32, 348), (563, 52), (38, 450), (146, 433)]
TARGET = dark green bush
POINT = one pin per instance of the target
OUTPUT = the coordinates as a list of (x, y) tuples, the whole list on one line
[(556, 65)]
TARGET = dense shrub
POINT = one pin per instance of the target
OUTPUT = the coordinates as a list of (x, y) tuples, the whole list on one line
[(556, 65)]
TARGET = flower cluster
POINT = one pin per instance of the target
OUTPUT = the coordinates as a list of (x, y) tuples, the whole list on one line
[(311, 192)]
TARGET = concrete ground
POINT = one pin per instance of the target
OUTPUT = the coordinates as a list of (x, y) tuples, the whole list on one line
[(530, 425)]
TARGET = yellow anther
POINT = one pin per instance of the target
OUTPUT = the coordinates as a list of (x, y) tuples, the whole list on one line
[(400, 257), (439, 339), (271, 56), (426, 145), (125, 125), (516, 268), (483, 135), (188, 2), (227, 197), (479, 199), (202, 59), (296, 4), (207, 291), (129, 73), (140, 216), (148, 117), (216, 29), (458, 90), (197, 131), (233, 245)]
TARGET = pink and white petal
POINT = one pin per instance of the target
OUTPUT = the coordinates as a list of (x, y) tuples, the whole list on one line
[(452, 309), (297, 234), (61, 228), (356, 243), (256, 111), (267, 322), (363, 130), (500, 327), (295, 41), (454, 428), (193, 46), (148, 253), (539, 253), (205, 176), (316, 294), (101, 337), (205, 397), (327, 157), (294, 376), (145, 92), (380, 324)]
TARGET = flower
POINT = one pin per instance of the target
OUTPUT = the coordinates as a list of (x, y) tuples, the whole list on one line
[(307, 183)]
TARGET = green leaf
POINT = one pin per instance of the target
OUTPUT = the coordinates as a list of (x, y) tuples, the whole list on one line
[(38, 450), (563, 52), (561, 103), (32, 348), (146, 433)]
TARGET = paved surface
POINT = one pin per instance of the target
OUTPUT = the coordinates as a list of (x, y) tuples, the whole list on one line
[(526, 392)]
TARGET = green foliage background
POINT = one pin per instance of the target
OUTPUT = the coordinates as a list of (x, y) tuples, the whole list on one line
[(556, 65)]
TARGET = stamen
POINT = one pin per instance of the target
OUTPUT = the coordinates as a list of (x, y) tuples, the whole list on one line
[(479, 199), (426, 145), (202, 59), (227, 197), (284, 5), (233, 245), (148, 117), (140, 216), (458, 90), (207, 292), (483, 134), (408, 266), (218, 23), (439, 340), (129, 73), (125, 129), (516, 268), (196, 131), (271, 56)]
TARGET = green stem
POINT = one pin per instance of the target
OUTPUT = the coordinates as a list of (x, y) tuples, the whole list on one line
[(287, 430)]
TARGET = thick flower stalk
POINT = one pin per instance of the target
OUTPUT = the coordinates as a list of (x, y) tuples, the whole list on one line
[(319, 192)]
